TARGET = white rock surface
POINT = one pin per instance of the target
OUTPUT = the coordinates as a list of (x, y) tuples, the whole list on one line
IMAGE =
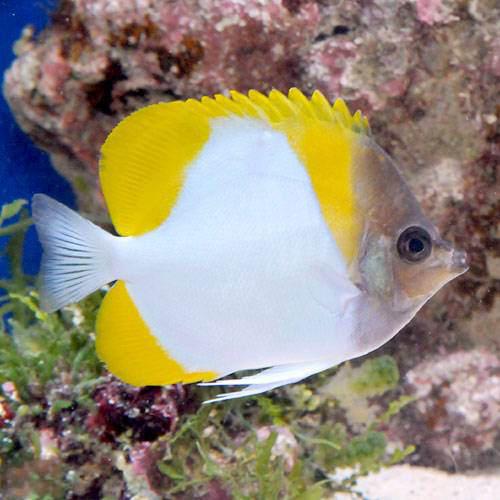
[(404, 482)]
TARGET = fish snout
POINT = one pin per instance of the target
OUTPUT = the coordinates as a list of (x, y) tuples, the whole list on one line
[(455, 261), (459, 261)]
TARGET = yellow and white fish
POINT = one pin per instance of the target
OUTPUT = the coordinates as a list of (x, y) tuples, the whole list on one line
[(256, 232)]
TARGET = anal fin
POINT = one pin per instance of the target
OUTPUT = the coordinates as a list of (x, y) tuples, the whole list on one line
[(129, 349)]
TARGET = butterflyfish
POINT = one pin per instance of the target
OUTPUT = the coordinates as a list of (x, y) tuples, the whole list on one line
[(256, 232)]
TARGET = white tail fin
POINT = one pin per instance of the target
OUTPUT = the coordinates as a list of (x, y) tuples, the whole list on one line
[(77, 254)]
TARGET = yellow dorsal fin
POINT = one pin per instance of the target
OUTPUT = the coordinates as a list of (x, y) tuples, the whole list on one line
[(144, 161), (248, 107), (129, 349), (229, 105), (145, 158), (327, 150), (266, 105), (323, 108), (301, 102), (285, 106)]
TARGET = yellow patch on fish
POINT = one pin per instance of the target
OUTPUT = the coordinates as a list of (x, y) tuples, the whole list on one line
[(143, 163), (130, 350)]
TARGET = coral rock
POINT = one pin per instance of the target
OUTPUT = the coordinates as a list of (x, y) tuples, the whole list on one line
[(147, 412), (285, 447), (455, 420)]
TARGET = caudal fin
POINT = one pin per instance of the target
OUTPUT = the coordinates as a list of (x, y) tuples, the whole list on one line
[(77, 257)]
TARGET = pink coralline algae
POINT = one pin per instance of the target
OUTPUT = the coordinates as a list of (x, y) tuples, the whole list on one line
[(435, 11), (456, 415)]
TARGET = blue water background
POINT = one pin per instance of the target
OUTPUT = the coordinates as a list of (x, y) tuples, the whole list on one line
[(24, 169)]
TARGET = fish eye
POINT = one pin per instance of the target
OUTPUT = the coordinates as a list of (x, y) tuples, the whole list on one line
[(414, 244)]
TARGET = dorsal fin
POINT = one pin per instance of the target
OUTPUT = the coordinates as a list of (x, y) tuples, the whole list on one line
[(145, 158), (143, 164)]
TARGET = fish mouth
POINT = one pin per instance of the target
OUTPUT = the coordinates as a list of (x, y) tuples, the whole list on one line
[(459, 262)]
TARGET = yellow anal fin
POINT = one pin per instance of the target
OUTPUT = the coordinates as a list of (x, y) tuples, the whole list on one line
[(130, 350)]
